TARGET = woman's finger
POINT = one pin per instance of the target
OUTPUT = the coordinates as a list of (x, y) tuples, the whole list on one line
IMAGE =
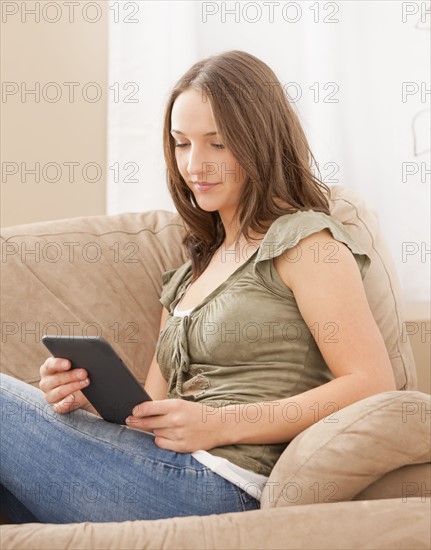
[(58, 393), (171, 444), (147, 422), (54, 364), (54, 380), (66, 405)]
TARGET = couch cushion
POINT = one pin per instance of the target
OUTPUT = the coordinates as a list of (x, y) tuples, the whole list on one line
[(340, 455), (97, 275), (409, 481), (380, 282)]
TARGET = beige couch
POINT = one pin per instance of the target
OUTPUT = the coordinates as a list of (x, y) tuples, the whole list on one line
[(360, 480)]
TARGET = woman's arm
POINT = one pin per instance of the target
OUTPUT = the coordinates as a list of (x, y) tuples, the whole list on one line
[(155, 384), (328, 294)]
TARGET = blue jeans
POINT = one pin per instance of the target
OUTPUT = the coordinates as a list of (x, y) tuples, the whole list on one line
[(76, 467)]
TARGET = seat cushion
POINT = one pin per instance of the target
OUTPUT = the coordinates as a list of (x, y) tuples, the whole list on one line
[(410, 481)]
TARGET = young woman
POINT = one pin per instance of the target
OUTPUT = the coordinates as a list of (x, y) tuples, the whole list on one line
[(265, 330)]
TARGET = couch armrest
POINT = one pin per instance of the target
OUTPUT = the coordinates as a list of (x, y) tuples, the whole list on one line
[(336, 458), (391, 523)]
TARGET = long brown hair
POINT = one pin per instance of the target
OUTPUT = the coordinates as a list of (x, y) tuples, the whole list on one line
[(262, 131)]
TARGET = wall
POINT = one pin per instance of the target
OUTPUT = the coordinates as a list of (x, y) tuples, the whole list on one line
[(53, 46)]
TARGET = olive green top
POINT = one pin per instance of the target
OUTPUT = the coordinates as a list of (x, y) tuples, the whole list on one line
[(247, 342)]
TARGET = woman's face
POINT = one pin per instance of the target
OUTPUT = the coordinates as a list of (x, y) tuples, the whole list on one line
[(202, 158)]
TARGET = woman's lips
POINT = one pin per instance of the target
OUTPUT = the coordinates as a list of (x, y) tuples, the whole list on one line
[(200, 186)]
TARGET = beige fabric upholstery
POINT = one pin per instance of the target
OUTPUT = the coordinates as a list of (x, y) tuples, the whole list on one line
[(373, 524), (409, 481), (345, 452)]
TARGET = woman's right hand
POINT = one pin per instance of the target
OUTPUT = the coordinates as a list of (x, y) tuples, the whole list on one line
[(61, 385)]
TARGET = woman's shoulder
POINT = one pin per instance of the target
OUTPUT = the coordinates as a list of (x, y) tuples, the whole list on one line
[(175, 274), (287, 232), (171, 282)]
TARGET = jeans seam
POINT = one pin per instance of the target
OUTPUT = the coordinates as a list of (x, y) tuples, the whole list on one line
[(246, 498), (239, 492)]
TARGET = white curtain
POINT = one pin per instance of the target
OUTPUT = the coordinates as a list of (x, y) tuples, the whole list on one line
[(145, 59), (358, 73)]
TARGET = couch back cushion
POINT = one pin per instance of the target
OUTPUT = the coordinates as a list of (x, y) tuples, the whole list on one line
[(97, 275), (103, 275), (380, 282)]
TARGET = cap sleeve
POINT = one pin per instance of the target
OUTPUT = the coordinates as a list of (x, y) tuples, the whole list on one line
[(171, 283), (289, 229)]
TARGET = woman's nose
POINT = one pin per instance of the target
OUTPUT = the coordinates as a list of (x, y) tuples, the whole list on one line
[(198, 163)]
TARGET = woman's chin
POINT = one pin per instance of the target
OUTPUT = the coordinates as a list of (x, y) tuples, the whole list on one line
[(208, 206)]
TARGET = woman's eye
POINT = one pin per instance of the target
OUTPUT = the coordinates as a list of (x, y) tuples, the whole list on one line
[(216, 145)]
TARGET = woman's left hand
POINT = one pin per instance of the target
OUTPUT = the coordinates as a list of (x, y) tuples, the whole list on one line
[(178, 425)]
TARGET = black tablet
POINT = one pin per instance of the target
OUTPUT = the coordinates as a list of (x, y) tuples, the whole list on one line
[(113, 390)]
